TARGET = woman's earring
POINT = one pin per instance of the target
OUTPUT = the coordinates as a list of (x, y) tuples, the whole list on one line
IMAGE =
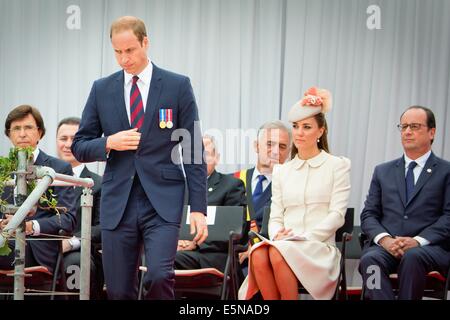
[(318, 140)]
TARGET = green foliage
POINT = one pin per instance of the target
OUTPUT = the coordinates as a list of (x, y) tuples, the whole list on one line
[(5, 250), (8, 165)]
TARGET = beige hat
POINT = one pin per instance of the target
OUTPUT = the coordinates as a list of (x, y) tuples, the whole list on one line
[(315, 101)]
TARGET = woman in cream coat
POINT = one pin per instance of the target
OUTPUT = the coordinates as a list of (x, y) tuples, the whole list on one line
[(309, 200)]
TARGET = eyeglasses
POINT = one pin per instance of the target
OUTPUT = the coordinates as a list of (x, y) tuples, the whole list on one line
[(412, 126), (27, 129)]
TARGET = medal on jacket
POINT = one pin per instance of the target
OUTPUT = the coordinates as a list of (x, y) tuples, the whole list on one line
[(169, 118), (162, 118)]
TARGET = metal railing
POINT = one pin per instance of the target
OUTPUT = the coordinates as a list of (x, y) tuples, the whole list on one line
[(26, 204)]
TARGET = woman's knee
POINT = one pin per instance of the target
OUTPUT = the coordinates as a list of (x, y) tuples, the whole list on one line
[(260, 258), (276, 259)]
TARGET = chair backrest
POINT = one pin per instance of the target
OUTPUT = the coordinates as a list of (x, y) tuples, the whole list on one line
[(347, 227), (348, 224), (221, 221), (265, 222)]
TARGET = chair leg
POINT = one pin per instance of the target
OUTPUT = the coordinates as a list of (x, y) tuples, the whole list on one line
[(447, 286), (141, 279), (60, 271)]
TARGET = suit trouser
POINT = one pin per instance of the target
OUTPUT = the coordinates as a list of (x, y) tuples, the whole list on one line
[(140, 226), (196, 259), (376, 264)]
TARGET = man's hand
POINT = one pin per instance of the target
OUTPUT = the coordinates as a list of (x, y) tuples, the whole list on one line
[(184, 245), (123, 140), (407, 243), (5, 221), (392, 246), (66, 246), (28, 225), (399, 245), (198, 226), (244, 255)]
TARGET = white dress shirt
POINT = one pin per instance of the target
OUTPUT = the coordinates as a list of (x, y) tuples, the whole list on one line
[(265, 182), (143, 84), (77, 170)]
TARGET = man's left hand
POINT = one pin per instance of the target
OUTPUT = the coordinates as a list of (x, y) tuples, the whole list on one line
[(198, 226), (406, 243)]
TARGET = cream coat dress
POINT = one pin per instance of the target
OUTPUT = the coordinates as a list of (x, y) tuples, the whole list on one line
[(311, 198)]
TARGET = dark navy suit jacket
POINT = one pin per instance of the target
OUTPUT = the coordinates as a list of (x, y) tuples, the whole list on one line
[(426, 214), (256, 209), (163, 181)]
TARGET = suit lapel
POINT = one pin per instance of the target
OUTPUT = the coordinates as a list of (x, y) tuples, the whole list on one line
[(119, 100), (42, 158), (425, 175), (213, 180), (248, 185), (400, 179), (79, 190), (152, 100)]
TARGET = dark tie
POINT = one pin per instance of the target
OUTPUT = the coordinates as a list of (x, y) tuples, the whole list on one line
[(258, 189), (410, 180), (136, 105)]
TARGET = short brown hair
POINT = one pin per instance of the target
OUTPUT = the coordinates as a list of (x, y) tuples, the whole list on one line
[(20, 112), (129, 23)]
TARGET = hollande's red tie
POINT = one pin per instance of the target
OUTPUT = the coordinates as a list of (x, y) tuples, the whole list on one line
[(136, 105)]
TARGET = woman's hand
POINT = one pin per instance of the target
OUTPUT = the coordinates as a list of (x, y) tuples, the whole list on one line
[(283, 233)]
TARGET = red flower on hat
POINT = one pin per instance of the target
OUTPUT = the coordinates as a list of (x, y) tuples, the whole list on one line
[(317, 97)]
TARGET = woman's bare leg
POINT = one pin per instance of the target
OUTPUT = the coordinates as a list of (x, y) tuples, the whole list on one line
[(263, 273), (287, 283)]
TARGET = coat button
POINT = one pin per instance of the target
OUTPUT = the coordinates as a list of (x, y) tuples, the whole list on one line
[(405, 217)]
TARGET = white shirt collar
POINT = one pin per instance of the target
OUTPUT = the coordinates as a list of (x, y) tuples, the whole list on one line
[(35, 154), (256, 173), (421, 161), (77, 170), (145, 76)]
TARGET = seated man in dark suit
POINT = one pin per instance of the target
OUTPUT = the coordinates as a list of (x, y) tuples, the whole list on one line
[(407, 214), (24, 126), (272, 146), (64, 136), (223, 190)]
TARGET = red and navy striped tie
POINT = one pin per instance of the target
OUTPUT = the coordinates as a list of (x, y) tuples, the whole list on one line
[(136, 105)]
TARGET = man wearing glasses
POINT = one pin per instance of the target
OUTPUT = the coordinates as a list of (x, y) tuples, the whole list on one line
[(407, 214), (24, 126)]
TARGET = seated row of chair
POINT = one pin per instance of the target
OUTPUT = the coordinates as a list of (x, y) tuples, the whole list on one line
[(229, 226), (211, 283)]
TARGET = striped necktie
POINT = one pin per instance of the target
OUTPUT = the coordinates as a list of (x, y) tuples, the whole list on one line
[(136, 105)]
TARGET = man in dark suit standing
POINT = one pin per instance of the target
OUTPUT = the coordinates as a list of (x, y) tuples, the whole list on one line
[(407, 214), (24, 126), (65, 133), (144, 113), (223, 190)]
